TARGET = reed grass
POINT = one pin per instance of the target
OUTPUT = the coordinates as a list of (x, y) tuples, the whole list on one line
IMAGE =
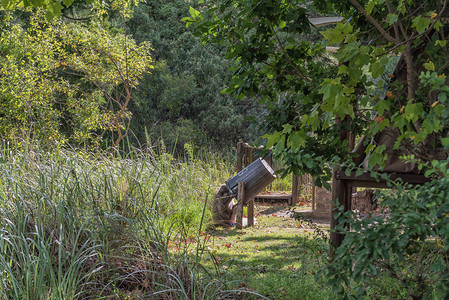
[(79, 225)]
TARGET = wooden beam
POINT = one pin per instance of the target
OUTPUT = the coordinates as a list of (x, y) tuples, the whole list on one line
[(366, 180), (250, 211), (295, 190), (339, 198), (240, 199), (239, 166), (313, 193)]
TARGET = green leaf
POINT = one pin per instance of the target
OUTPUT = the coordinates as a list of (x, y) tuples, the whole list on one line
[(287, 128), (438, 25), (370, 6), (392, 18), (296, 140), (413, 111), (429, 66), (445, 141), (67, 3), (348, 172), (377, 69), (381, 106), (421, 23), (337, 35), (440, 43), (272, 138), (194, 13)]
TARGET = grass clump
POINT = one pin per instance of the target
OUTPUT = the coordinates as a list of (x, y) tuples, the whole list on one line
[(77, 225)]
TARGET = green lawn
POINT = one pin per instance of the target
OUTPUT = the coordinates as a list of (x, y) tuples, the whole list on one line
[(278, 258)]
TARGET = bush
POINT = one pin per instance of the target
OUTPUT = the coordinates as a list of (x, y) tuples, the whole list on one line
[(406, 246)]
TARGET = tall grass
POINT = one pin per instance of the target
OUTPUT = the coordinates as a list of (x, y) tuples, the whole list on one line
[(78, 225)]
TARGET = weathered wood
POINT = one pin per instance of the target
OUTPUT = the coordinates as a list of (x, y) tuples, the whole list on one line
[(250, 212), (295, 190), (313, 194), (338, 199), (270, 160), (239, 166), (256, 176), (287, 197), (240, 199), (251, 155), (366, 180)]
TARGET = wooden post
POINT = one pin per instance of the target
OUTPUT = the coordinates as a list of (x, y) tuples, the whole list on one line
[(239, 166), (269, 160), (313, 193), (250, 212), (240, 199), (250, 155), (338, 198), (295, 190)]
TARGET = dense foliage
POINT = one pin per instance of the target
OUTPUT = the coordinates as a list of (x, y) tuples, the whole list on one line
[(181, 100), (62, 81), (387, 83), (408, 248), (314, 102)]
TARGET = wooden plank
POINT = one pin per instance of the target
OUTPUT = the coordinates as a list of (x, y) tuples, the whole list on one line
[(240, 199), (250, 211), (275, 197)]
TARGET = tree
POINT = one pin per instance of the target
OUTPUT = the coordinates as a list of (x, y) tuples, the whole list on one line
[(181, 99), (387, 77), (312, 99), (61, 81)]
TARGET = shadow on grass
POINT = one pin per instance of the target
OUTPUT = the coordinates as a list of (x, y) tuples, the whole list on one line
[(278, 267)]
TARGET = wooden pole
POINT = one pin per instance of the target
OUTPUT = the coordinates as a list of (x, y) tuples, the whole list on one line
[(295, 190), (269, 160), (239, 166), (251, 155), (240, 199), (339, 198), (313, 193), (250, 212)]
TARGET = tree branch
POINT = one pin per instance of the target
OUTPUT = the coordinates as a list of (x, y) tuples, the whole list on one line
[(373, 21)]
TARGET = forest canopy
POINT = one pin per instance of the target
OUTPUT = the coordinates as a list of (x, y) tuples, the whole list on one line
[(388, 75)]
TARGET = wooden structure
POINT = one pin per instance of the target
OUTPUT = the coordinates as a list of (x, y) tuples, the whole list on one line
[(248, 183), (246, 154), (256, 176), (343, 184)]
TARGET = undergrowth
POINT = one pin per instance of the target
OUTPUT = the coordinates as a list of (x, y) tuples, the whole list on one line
[(79, 225)]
